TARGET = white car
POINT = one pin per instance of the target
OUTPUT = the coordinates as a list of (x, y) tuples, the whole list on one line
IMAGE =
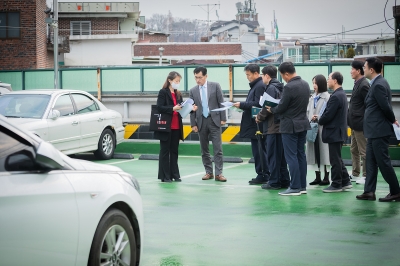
[(55, 210), (73, 121)]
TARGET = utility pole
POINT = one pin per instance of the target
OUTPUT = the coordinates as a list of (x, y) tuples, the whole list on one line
[(55, 42), (208, 13)]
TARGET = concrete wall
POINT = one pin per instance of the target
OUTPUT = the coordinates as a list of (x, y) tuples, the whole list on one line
[(86, 51)]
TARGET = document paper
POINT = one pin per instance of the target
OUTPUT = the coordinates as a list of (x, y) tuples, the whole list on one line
[(267, 100), (187, 107)]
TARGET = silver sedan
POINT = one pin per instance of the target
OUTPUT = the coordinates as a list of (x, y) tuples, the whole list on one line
[(73, 121)]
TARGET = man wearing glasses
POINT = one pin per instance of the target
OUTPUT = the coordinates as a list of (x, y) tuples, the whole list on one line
[(207, 96)]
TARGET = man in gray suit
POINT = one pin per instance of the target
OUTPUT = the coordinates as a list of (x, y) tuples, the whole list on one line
[(207, 96)]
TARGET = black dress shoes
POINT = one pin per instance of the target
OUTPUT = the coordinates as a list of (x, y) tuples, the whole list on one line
[(366, 196), (390, 197), (166, 180), (178, 180)]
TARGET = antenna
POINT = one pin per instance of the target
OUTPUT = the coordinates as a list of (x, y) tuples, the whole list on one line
[(208, 13), (216, 13)]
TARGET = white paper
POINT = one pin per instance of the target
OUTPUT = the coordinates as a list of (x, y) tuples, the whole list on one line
[(187, 107), (268, 98), (188, 101), (396, 131), (227, 105)]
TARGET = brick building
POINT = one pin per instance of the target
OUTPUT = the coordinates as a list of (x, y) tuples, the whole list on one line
[(98, 32), (146, 36), (23, 35)]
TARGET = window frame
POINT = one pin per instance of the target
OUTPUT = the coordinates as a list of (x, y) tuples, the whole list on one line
[(7, 25), (80, 27)]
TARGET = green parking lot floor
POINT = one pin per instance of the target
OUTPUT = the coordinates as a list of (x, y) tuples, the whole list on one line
[(198, 222)]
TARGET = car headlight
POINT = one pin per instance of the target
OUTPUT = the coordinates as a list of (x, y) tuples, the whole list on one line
[(131, 180)]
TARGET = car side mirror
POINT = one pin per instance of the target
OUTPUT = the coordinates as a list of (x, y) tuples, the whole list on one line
[(20, 161), (54, 114)]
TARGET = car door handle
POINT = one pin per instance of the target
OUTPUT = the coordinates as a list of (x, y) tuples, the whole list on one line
[(100, 119), (75, 123)]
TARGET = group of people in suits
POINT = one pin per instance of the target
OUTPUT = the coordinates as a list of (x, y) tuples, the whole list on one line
[(281, 162)]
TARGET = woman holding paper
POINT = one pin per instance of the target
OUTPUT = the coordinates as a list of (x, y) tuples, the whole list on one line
[(317, 153), (169, 101)]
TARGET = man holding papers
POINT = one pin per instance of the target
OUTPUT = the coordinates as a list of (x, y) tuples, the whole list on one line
[(248, 125), (294, 124), (208, 96), (279, 175), (378, 127)]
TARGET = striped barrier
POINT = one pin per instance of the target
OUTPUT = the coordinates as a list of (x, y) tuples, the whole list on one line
[(141, 131), (229, 133)]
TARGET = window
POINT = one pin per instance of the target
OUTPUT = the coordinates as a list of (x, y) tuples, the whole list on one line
[(9, 25), (81, 27), (84, 104), (64, 105)]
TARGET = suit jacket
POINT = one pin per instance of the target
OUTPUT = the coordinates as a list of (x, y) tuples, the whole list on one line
[(292, 107), (379, 116), (271, 123), (248, 125), (334, 118), (215, 98), (165, 104), (355, 116)]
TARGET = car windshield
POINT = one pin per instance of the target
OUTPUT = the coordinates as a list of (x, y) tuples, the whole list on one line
[(23, 105)]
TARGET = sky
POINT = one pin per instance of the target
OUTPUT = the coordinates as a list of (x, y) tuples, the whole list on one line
[(296, 18)]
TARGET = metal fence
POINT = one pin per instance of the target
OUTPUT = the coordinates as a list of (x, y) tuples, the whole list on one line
[(149, 79)]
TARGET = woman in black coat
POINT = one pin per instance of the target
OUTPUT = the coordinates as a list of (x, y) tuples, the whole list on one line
[(168, 101)]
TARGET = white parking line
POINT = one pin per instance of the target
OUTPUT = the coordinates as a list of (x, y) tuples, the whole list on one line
[(126, 161)]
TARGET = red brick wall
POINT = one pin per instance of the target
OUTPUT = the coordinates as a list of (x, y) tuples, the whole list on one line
[(44, 58), (154, 37), (188, 49), (22, 53), (99, 25)]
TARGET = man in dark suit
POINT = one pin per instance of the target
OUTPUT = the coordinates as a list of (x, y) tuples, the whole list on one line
[(355, 119), (207, 96), (294, 124), (378, 127), (248, 125), (334, 132)]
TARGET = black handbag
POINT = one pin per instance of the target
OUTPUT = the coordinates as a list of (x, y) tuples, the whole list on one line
[(159, 121)]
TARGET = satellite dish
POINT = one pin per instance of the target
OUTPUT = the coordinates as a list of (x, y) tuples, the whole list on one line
[(243, 29)]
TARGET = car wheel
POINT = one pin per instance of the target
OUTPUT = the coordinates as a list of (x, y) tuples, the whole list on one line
[(114, 241), (106, 145)]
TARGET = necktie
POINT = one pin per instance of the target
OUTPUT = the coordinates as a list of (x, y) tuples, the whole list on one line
[(204, 101)]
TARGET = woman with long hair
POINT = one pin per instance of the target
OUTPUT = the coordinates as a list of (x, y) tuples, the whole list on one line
[(169, 101), (317, 153)]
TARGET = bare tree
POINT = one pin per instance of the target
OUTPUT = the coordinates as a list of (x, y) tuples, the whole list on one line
[(181, 30), (157, 22)]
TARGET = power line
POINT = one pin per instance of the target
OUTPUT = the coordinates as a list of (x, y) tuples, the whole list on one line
[(350, 30)]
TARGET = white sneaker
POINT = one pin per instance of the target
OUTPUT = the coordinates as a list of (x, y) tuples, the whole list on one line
[(353, 178), (361, 181)]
